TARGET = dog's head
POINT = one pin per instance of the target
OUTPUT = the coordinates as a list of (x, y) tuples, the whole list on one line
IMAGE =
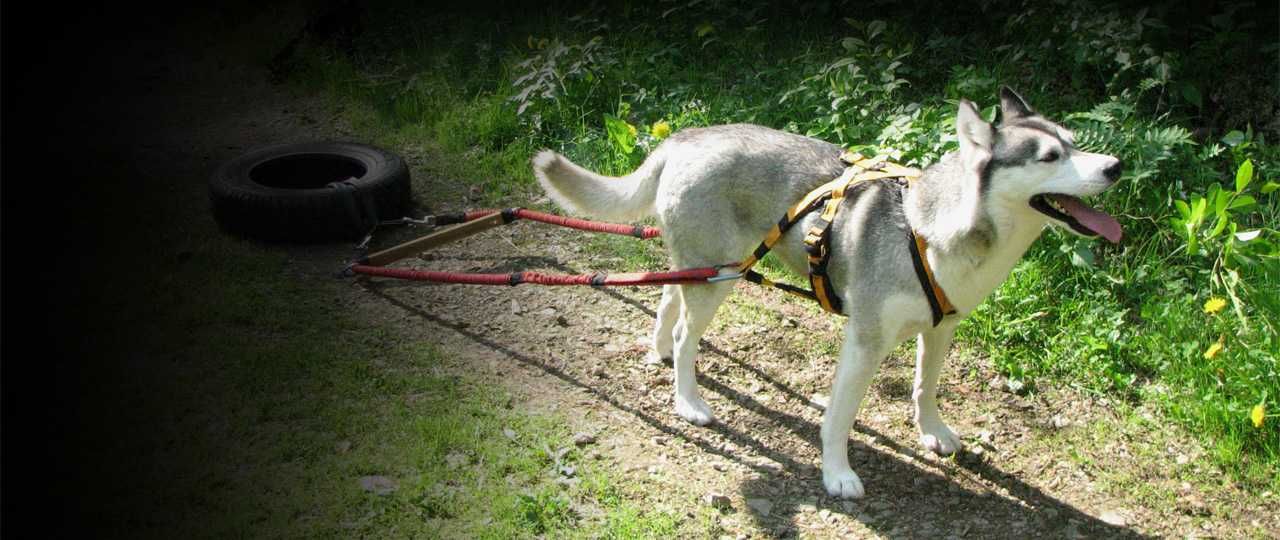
[(1028, 160)]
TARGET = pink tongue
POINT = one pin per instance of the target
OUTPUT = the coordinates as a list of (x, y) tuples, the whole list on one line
[(1096, 221)]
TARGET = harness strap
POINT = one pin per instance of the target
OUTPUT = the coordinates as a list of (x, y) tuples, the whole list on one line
[(362, 212), (939, 304), (817, 239)]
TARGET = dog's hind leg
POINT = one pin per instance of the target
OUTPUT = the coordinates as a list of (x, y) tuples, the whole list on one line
[(860, 358), (668, 313), (698, 305), (931, 351)]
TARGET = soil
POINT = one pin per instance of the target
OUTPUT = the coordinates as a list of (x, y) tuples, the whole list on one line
[(765, 368)]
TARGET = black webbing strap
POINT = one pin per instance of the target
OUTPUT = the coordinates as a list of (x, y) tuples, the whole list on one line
[(758, 279), (451, 218), (925, 283), (362, 212)]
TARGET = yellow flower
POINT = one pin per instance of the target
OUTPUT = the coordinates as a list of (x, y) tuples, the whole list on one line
[(1213, 350), (1214, 305), (1256, 415), (631, 129), (660, 130)]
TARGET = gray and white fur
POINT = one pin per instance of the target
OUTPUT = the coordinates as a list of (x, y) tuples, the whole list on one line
[(716, 191)]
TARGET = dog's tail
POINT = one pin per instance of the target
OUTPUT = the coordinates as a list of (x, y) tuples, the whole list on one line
[(583, 192)]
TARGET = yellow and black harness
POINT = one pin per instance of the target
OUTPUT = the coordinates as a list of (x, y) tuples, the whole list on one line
[(817, 239)]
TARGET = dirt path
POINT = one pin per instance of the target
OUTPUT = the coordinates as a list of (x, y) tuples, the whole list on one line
[(1038, 466)]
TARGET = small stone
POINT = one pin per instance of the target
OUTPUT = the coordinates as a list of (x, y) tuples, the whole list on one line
[(660, 440), (568, 471), (1182, 459), (509, 433), (560, 320), (515, 307), (583, 439), (378, 485), (986, 437), (1113, 517), (548, 312), (760, 506), (342, 447), (720, 466), (718, 501), (820, 401)]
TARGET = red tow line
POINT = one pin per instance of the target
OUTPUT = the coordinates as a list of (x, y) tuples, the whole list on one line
[(472, 222)]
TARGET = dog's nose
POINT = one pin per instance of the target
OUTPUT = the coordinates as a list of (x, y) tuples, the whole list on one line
[(1112, 172)]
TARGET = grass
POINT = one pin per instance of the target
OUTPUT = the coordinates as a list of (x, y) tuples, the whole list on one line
[(490, 86)]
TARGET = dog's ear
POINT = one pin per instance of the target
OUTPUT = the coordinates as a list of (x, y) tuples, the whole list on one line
[(973, 131), (1012, 105)]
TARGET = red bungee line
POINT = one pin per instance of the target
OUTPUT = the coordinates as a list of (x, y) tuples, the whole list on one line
[(675, 277), (696, 275)]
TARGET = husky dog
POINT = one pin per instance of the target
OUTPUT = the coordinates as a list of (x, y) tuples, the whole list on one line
[(716, 191)]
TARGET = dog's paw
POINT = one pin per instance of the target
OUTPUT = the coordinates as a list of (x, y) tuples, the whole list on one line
[(695, 411), (657, 359), (844, 484), (940, 440)]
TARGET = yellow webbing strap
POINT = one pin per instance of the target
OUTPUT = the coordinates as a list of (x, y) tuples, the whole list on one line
[(817, 239)]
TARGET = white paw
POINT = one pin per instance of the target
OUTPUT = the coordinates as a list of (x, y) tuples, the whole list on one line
[(695, 411), (844, 484), (940, 440), (656, 358)]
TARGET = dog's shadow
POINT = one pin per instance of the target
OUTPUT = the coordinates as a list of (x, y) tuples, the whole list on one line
[(929, 505)]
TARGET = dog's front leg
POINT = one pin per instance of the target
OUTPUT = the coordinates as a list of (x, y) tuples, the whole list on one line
[(931, 352), (860, 358), (697, 307)]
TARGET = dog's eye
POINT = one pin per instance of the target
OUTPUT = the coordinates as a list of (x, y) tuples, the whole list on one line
[(1050, 157)]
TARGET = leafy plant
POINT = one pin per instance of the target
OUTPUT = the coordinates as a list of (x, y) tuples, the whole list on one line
[(1210, 227), (851, 97)]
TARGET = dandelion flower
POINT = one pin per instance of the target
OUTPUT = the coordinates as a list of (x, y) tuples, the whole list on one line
[(1214, 305), (1256, 415), (1213, 350), (660, 130)]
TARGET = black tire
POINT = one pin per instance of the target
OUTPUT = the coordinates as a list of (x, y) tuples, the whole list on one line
[(310, 192)]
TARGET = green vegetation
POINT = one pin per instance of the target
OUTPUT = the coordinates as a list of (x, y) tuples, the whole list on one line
[(1181, 95)]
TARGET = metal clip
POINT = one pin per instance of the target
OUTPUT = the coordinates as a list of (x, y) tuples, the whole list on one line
[(724, 277), (364, 244), (429, 221)]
